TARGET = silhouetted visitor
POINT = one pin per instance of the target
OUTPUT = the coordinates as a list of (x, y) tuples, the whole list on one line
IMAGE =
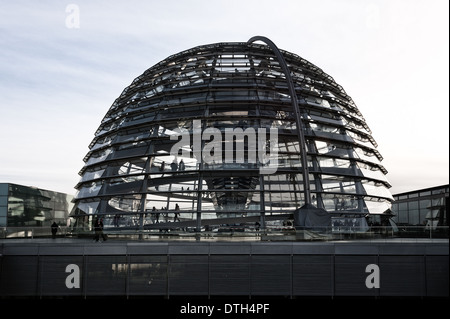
[(54, 228), (98, 229), (177, 208), (162, 168), (181, 165), (101, 230), (155, 215), (257, 226), (116, 220), (174, 165)]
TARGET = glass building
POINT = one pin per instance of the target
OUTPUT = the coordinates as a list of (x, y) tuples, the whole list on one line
[(232, 133), (30, 206), (423, 207)]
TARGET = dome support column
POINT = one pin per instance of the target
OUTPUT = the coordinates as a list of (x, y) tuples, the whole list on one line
[(301, 136)]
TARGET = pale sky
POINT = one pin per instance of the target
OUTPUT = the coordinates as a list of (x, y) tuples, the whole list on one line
[(58, 81)]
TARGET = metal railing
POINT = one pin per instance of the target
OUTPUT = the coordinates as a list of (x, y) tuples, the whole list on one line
[(238, 233)]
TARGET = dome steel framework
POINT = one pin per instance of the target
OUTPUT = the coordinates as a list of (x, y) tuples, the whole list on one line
[(231, 133)]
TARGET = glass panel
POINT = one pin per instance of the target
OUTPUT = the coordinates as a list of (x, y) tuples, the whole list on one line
[(414, 217), (333, 162), (127, 203), (437, 191), (88, 191), (366, 156), (87, 176), (372, 172), (88, 208), (377, 207), (413, 205), (425, 203), (3, 200), (95, 158), (3, 217), (402, 217), (3, 189)]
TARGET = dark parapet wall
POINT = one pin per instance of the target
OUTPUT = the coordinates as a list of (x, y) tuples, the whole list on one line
[(77, 268)]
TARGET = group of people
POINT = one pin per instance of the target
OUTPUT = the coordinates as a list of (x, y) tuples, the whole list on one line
[(155, 213), (174, 166)]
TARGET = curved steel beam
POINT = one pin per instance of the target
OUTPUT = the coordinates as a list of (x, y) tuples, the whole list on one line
[(296, 108)]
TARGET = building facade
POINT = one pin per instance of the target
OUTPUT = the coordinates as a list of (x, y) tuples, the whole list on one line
[(423, 207), (231, 133), (30, 206)]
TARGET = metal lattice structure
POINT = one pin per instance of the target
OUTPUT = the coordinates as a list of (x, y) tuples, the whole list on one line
[(227, 133)]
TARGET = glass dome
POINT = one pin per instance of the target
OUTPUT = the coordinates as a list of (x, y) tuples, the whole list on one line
[(231, 133)]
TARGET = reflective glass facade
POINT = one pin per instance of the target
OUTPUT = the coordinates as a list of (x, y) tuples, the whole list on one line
[(213, 132), (30, 206), (422, 207)]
